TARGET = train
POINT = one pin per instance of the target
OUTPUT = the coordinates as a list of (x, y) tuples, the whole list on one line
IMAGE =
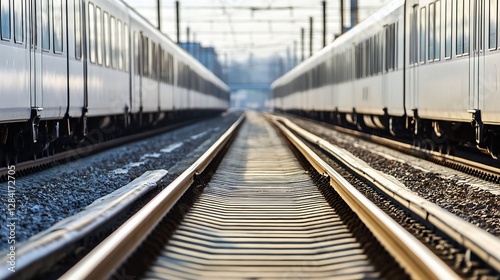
[(423, 69), (68, 68)]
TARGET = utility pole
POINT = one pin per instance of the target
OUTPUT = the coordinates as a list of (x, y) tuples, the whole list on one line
[(310, 36), (178, 20), (302, 43), (324, 23), (158, 5), (342, 28)]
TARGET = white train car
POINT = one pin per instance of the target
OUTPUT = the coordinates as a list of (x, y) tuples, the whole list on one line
[(423, 67), (91, 67)]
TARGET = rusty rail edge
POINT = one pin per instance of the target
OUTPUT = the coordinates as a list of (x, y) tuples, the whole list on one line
[(44, 249), (483, 244), (101, 262), (413, 256)]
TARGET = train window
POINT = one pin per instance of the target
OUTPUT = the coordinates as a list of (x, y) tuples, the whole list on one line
[(18, 22), (119, 45), (437, 32), (145, 56), (414, 35), (92, 54), (368, 58), (114, 61), (448, 28), (460, 27), (78, 29), (107, 41), (162, 64), (430, 41), (466, 26), (493, 24), (394, 36), (137, 58), (5, 19), (57, 25), (388, 48), (45, 25), (422, 34), (125, 47), (153, 61), (171, 68), (99, 34)]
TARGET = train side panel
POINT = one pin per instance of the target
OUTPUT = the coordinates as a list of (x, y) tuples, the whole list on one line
[(107, 64), (14, 68), (49, 60), (75, 59)]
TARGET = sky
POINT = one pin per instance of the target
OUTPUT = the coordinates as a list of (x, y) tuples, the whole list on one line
[(259, 28)]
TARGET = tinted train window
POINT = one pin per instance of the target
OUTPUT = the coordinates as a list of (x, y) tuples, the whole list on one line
[(153, 61), (460, 27), (437, 32), (45, 25), (92, 33), (448, 27), (466, 27), (422, 34), (107, 41), (434, 43), (5, 19), (493, 24), (125, 47), (99, 34), (414, 35), (137, 58), (119, 45), (114, 60), (18, 22), (78, 29), (430, 41), (171, 68), (145, 56), (57, 23)]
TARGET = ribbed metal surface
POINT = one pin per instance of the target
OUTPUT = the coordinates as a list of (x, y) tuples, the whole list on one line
[(261, 217)]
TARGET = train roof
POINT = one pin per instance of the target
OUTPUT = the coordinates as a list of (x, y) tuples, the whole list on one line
[(178, 51), (341, 42)]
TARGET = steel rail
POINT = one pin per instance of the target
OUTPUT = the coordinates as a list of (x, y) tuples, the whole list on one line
[(47, 247), (101, 262), (413, 256), (477, 169), (482, 243)]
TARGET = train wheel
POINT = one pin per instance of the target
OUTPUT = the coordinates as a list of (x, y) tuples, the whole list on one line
[(446, 148), (10, 159)]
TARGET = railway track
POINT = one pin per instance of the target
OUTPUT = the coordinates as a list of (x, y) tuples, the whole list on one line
[(259, 215), (480, 166), (250, 210)]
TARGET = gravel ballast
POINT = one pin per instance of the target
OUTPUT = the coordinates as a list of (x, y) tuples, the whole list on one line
[(42, 199), (475, 200)]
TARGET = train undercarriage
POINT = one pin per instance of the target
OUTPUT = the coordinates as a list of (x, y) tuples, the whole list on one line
[(441, 136), (29, 140)]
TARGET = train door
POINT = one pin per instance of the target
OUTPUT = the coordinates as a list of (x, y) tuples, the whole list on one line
[(35, 29), (411, 90), (477, 55), (48, 58)]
